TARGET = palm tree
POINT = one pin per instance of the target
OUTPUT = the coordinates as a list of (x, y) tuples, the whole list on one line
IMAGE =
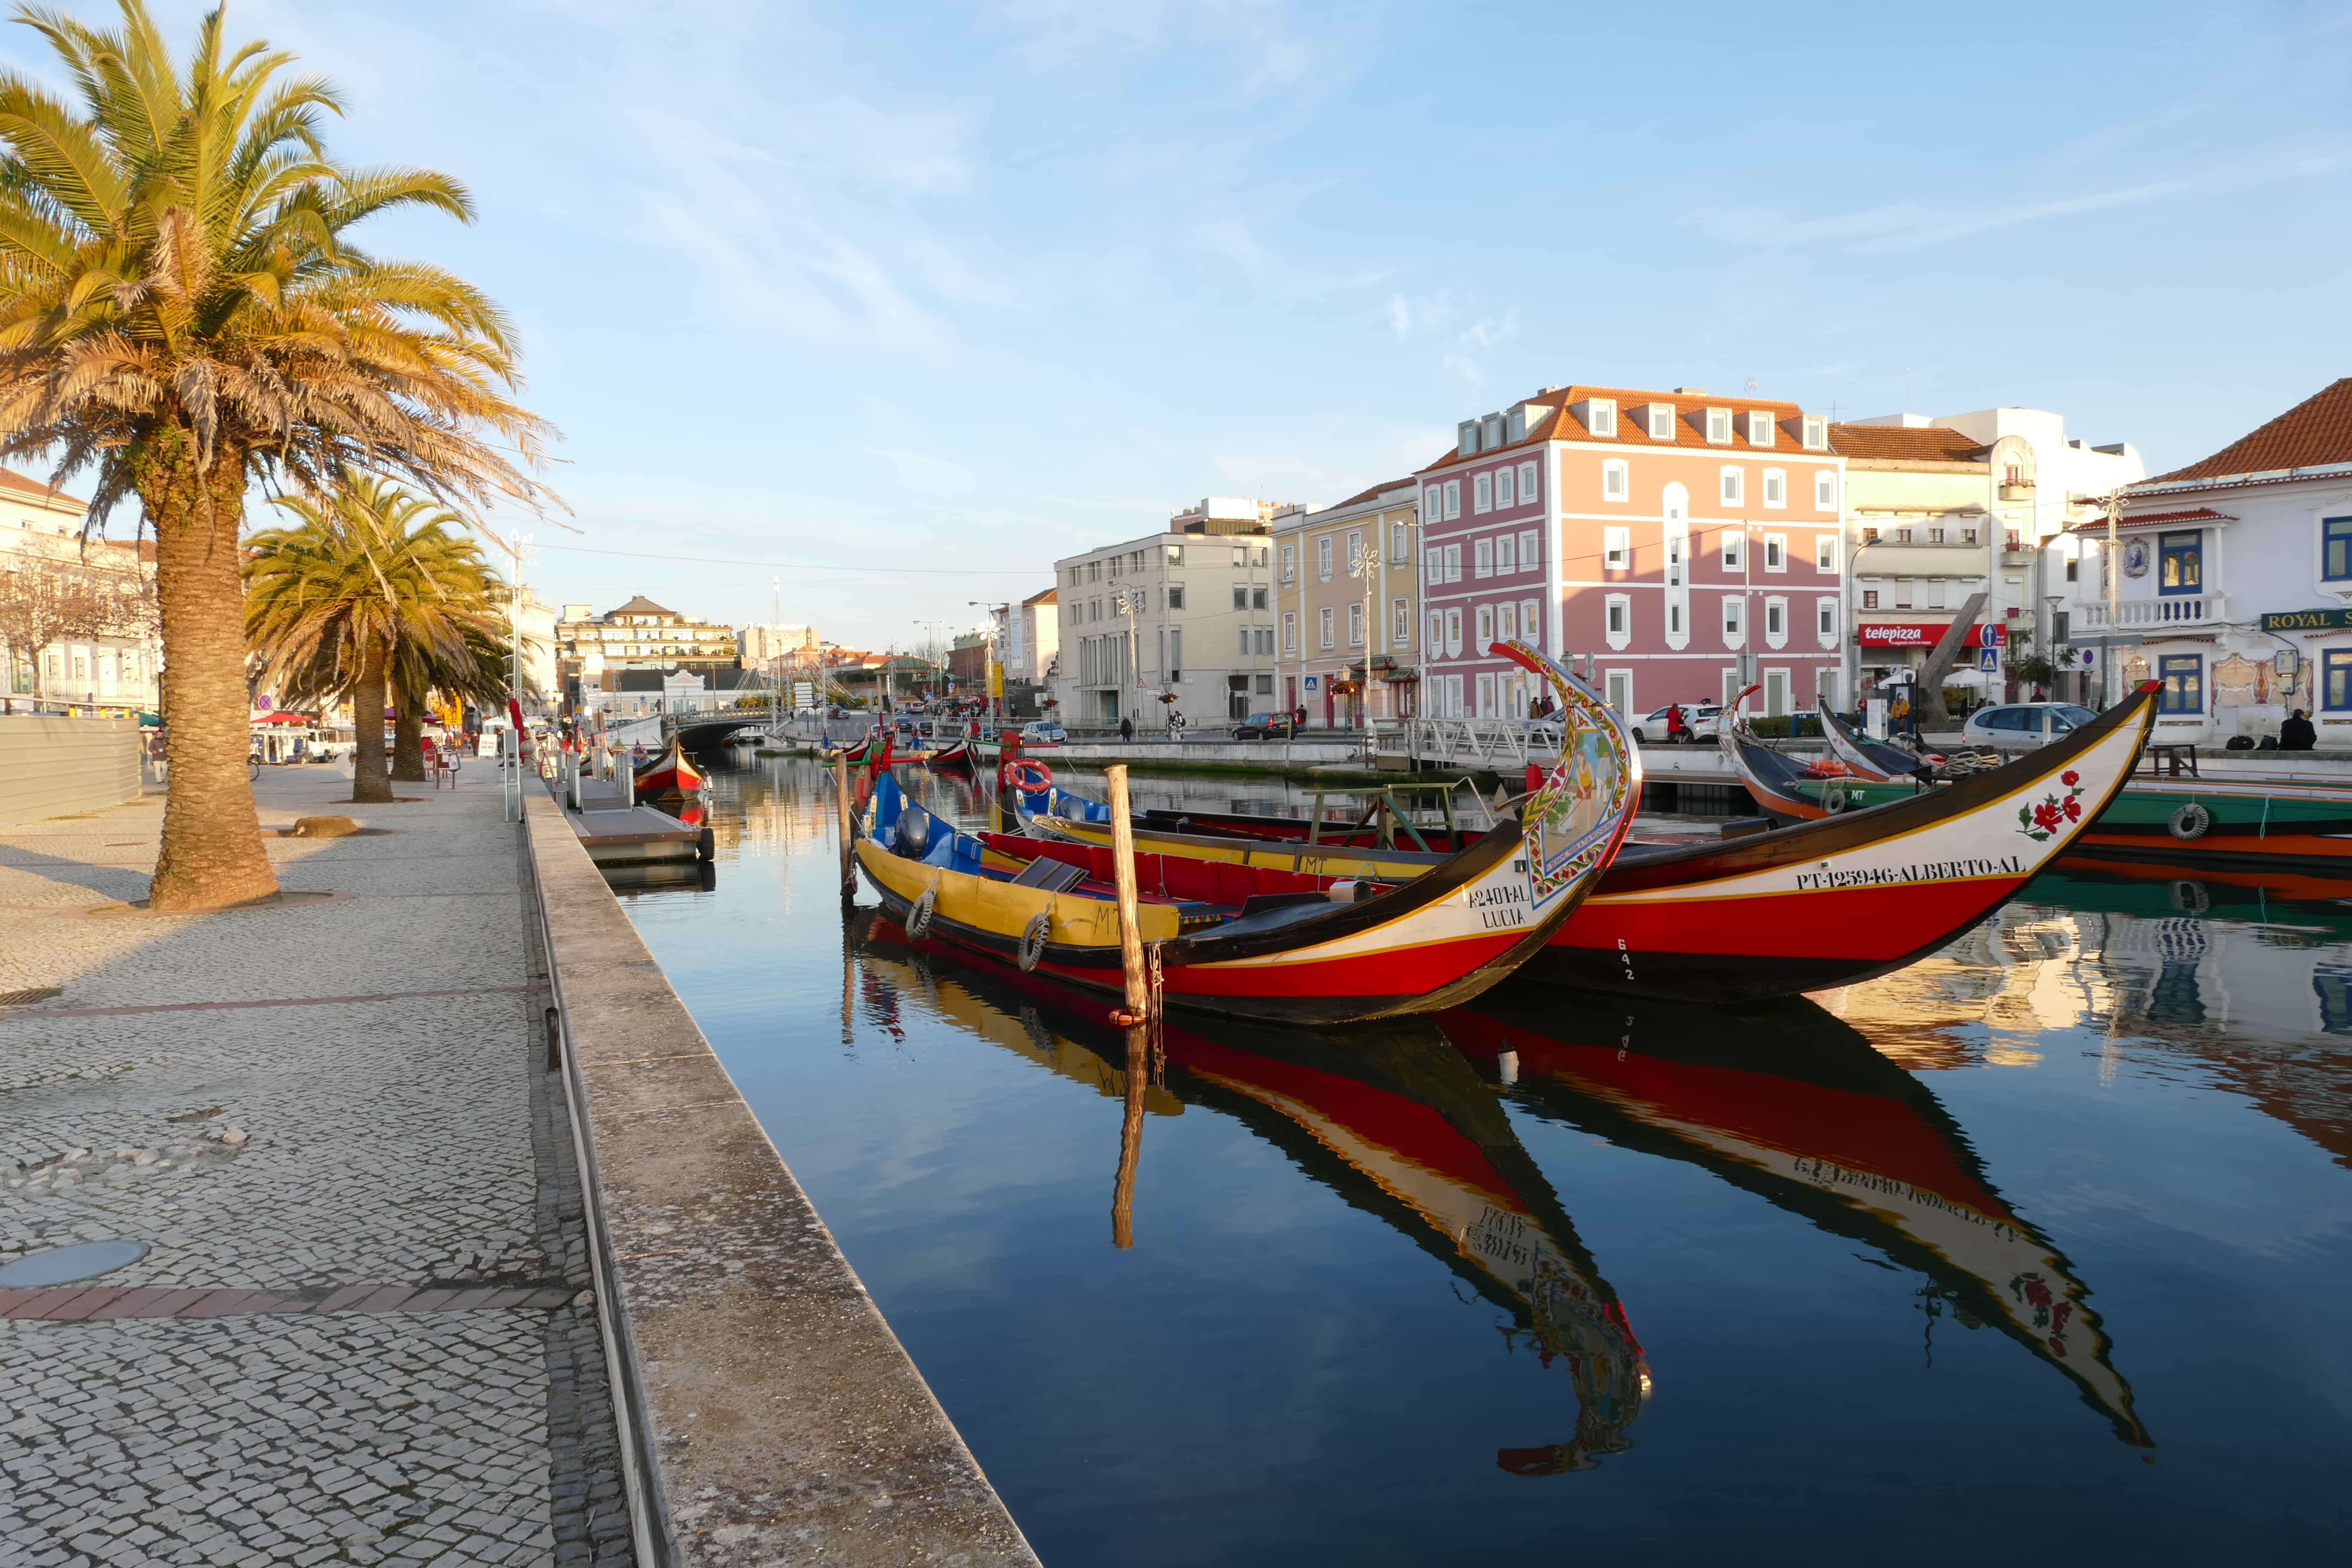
[(478, 674), (182, 312), (370, 584)]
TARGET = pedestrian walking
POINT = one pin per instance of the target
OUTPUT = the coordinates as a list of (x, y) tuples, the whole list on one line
[(1676, 730), (1127, 729)]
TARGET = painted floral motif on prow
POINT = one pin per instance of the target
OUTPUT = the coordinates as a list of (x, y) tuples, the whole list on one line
[(2045, 821)]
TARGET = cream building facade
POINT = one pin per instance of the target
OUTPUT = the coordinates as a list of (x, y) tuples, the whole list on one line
[(1186, 614), (1349, 607), (119, 669)]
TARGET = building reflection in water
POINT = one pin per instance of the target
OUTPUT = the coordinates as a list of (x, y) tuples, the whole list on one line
[(2249, 979)]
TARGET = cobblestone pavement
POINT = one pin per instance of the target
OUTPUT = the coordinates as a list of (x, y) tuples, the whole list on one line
[(331, 1103)]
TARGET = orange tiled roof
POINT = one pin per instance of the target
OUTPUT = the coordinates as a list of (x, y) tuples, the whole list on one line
[(1047, 597), (1379, 490), (1934, 444), (1559, 425), (12, 480), (2153, 520), (2314, 432)]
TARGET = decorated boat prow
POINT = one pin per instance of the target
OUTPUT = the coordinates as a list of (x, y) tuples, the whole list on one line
[(1349, 951), (671, 774), (1864, 758)]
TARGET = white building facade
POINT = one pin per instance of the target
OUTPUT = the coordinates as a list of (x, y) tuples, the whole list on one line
[(118, 669), (2233, 583), (1186, 614)]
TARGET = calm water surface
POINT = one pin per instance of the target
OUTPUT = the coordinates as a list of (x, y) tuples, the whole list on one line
[(2033, 1251)]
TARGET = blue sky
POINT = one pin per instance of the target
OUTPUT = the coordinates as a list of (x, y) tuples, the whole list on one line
[(942, 293)]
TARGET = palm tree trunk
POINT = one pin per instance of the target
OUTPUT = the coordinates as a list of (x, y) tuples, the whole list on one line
[(407, 736), (369, 784), (212, 852)]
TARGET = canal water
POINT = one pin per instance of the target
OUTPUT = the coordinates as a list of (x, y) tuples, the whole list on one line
[(2035, 1251)]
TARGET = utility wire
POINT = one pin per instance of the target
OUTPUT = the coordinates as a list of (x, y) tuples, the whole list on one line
[(800, 565)]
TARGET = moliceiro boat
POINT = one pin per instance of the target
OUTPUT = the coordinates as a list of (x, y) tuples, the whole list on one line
[(1267, 948), (670, 775), (2250, 819), (1827, 902)]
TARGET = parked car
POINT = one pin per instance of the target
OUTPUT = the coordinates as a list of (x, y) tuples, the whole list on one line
[(1266, 727), (1705, 719), (2023, 724), (1043, 729)]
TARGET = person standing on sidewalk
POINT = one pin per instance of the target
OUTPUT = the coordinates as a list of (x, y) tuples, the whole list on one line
[(1127, 729)]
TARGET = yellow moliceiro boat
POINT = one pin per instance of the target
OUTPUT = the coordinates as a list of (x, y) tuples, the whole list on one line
[(1260, 943)]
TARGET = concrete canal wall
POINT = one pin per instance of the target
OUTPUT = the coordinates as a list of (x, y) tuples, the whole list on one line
[(52, 767), (769, 1413)]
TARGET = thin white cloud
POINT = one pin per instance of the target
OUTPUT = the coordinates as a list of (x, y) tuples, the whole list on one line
[(1909, 225)]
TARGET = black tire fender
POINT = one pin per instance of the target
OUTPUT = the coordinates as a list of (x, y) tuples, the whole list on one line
[(918, 919), (2189, 821), (1032, 939)]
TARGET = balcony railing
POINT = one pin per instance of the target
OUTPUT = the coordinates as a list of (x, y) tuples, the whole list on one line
[(2152, 614)]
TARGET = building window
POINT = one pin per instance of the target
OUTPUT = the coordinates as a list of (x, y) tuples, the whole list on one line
[(1432, 503), (2180, 562), (2336, 548), (1661, 422), (1527, 484), (1817, 433), (1290, 562), (1776, 487), (1825, 489), (1527, 549), (1506, 492), (1614, 484), (1618, 619), (1355, 553), (1732, 540), (1825, 552), (1507, 553), (2183, 675), (1266, 639), (1482, 558), (1481, 493), (1617, 549), (1436, 632), (1531, 620), (1776, 621), (2336, 680), (1396, 544), (1776, 553), (1323, 558), (1734, 617), (1400, 623), (1486, 630), (1454, 563), (1324, 622), (1240, 596), (1453, 499), (1826, 612), (1176, 596), (1759, 429), (1355, 626), (1604, 416), (1673, 619), (1506, 620), (1454, 633), (1718, 426), (1735, 487)]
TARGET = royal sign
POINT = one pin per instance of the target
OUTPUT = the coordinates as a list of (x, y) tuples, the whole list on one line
[(1924, 634), (2334, 620)]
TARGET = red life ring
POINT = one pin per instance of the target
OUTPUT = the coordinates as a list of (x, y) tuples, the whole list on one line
[(1026, 776)]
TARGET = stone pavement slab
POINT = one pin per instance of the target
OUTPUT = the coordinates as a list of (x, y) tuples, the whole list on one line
[(357, 1332)]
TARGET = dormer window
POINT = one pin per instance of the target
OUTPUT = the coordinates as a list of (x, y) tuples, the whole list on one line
[(1662, 421), (1759, 429), (1718, 426), (1817, 433), (1601, 416)]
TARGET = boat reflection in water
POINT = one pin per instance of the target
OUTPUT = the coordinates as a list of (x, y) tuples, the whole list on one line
[(1790, 1104), (1389, 1115)]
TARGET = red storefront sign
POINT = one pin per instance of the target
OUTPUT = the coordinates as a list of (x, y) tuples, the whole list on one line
[(1924, 634)]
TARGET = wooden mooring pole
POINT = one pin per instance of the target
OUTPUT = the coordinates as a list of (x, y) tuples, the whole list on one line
[(841, 803), (1131, 926)]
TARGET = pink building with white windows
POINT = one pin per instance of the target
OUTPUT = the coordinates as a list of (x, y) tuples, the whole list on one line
[(1666, 533)]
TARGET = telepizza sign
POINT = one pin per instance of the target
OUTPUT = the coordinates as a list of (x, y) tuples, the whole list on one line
[(1924, 634)]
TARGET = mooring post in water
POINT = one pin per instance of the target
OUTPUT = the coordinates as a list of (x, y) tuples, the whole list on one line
[(841, 803), (1130, 928), (1131, 1137)]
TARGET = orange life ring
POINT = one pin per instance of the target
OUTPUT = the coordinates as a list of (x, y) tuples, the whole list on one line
[(1828, 768), (1026, 776)]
